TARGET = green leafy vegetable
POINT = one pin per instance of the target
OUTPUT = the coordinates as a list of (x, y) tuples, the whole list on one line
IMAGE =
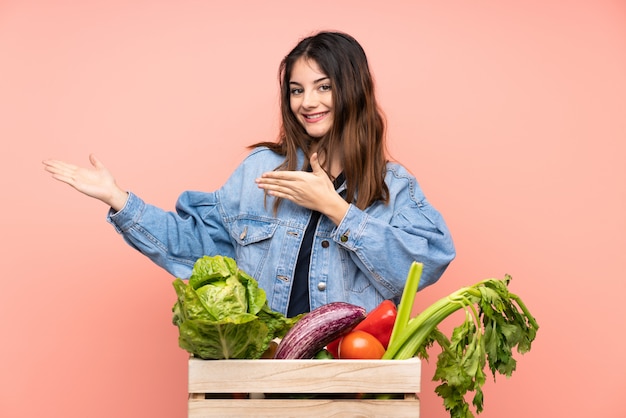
[(221, 313), (496, 322)]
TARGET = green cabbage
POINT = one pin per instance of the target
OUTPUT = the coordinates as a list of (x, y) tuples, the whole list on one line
[(222, 313)]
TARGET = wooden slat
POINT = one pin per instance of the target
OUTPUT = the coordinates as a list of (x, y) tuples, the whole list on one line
[(304, 376), (265, 408)]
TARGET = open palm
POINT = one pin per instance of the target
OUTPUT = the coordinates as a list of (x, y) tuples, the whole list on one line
[(95, 181)]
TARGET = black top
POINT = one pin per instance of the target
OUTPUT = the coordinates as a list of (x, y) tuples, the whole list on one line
[(299, 300)]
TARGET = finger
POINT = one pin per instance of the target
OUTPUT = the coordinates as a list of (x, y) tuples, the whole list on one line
[(266, 181), (64, 178), (61, 174), (95, 162), (55, 166), (53, 169), (315, 163), (273, 185), (56, 163), (277, 191), (279, 175)]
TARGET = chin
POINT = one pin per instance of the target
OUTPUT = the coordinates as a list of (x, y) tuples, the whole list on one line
[(317, 134)]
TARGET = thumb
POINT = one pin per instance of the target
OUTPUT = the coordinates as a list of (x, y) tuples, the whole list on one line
[(94, 161), (315, 164)]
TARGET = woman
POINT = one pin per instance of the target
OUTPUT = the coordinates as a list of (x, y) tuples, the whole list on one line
[(316, 217)]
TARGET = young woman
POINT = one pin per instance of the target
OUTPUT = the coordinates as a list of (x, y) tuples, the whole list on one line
[(318, 216)]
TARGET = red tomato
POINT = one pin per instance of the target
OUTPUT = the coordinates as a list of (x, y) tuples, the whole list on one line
[(360, 345), (379, 322)]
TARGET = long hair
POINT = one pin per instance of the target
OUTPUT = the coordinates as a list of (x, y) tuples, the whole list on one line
[(357, 135)]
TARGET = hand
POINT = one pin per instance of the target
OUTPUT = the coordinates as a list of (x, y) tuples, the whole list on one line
[(95, 181), (312, 190)]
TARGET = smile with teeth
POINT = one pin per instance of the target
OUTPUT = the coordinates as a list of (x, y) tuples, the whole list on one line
[(314, 117)]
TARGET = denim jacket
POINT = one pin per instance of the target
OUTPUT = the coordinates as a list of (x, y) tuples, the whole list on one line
[(363, 260)]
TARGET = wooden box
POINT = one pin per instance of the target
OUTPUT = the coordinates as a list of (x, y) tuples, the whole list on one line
[(304, 388)]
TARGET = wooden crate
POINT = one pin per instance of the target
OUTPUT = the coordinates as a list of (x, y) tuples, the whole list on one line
[(266, 388)]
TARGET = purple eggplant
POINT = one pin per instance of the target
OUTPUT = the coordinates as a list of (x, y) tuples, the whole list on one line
[(317, 328)]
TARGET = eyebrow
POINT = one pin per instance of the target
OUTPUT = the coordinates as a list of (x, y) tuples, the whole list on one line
[(314, 82)]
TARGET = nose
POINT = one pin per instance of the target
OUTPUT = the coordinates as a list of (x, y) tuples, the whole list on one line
[(310, 99)]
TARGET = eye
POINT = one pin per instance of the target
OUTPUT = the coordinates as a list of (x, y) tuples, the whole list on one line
[(296, 90), (325, 87)]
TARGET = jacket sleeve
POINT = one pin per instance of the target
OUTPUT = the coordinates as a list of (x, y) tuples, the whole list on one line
[(174, 240), (384, 247)]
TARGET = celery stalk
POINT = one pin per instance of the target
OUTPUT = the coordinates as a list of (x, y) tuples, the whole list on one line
[(415, 333), (406, 303)]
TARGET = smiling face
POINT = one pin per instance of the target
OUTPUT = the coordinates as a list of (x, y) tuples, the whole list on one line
[(310, 97)]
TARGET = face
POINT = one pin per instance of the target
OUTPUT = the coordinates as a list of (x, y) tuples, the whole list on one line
[(311, 97)]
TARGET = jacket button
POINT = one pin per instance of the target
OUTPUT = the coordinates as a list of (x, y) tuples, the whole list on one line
[(321, 286), (325, 244), (344, 238)]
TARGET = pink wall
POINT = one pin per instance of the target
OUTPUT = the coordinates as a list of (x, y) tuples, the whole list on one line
[(512, 116)]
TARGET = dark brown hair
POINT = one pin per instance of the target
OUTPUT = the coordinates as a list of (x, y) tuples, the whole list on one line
[(357, 135)]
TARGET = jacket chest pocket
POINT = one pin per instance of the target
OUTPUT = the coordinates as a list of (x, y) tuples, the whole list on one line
[(252, 231), (253, 240)]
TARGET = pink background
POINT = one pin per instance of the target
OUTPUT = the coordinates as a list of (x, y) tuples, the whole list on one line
[(511, 114)]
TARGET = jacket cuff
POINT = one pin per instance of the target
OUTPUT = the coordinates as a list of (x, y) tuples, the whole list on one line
[(126, 217), (348, 232)]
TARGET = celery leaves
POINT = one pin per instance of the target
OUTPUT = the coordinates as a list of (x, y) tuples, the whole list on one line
[(496, 323)]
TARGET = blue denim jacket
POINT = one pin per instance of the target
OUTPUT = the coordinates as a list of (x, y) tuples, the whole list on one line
[(363, 260)]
